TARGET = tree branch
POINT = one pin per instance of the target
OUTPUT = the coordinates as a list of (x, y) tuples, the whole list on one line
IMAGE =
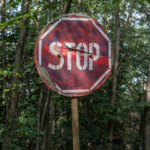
[(130, 12), (67, 7)]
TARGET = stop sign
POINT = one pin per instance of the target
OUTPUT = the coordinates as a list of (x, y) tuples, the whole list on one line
[(73, 55)]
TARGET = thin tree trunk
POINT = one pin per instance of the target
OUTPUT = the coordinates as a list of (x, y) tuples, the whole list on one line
[(115, 73), (49, 130), (38, 118), (146, 123), (44, 118), (130, 12), (45, 107), (18, 59), (79, 5), (3, 31), (67, 7), (3, 51), (12, 103)]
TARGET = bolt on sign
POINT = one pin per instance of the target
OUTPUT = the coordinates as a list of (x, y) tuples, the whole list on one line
[(73, 55)]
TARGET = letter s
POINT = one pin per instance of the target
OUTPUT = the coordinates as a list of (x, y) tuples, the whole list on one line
[(51, 49)]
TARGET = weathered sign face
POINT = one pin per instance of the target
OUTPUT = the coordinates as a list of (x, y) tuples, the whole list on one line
[(73, 55)]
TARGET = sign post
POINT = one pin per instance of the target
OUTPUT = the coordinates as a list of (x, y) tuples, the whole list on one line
[(73, 57), (75, 124)]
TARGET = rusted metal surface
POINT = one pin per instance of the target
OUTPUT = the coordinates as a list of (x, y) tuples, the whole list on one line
[(75, 124), (73, 55)]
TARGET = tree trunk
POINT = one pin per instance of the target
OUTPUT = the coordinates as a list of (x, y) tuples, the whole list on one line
[(67, 7), (12, 103), (38, 118), (146, 123), (79, 5), (115, 73), (44, 123), (3, 31), (3, 51)]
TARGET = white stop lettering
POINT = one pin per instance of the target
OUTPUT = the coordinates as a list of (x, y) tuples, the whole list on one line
[(78, 61)]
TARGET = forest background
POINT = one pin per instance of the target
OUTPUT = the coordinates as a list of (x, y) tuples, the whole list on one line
[(116, 116)]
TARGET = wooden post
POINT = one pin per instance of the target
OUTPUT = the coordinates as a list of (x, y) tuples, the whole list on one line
[(75, 124)]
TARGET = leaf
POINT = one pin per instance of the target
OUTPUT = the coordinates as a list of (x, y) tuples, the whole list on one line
[(6, 90), (26, 3)]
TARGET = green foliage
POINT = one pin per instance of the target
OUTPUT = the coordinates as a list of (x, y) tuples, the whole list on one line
[(95, 110)]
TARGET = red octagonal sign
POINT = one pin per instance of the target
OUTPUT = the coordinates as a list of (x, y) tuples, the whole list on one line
[(73, 55)]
